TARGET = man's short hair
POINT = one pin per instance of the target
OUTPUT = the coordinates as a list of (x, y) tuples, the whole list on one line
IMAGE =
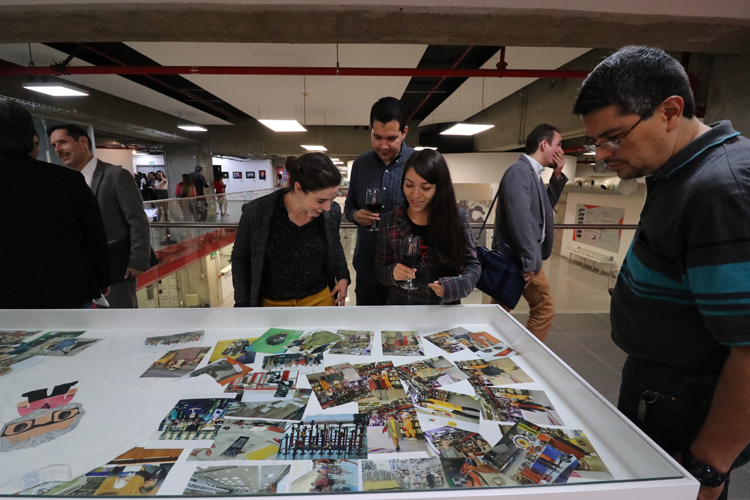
[(198, 168), (16, 128), (542, 132), (73, 130), (388, 109), (636, 79)]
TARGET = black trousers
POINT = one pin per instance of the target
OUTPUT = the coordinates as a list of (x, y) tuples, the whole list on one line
[(370, 293)]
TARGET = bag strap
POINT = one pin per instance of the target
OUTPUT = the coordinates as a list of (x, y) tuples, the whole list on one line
[(488, 215)]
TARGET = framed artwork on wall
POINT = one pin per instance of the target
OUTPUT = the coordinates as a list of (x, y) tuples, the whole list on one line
[(262, 175), (250, 175), (225, 175), (236, 175)]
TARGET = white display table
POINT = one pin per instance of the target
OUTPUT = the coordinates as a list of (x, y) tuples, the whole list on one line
[(123, 410)]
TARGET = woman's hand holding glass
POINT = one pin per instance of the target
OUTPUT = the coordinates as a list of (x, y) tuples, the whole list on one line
[(411, 254)]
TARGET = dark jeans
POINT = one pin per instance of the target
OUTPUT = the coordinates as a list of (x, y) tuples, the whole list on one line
[(370, 293), (675, 418)]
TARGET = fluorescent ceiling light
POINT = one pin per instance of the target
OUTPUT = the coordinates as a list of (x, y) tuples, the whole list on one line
[(334, 160), (338, 162), (422, 148), (314, 148), (192, 128), (55, 89), (466, 129), (283, 125), (590, 153), (139, 153)]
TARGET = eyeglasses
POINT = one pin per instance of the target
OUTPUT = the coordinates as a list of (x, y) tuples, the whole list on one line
[(614, 145)]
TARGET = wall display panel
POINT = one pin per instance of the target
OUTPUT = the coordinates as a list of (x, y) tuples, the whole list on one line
[(310, 421)]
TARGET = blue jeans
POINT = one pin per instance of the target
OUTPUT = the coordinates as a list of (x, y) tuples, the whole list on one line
[(677, 415)]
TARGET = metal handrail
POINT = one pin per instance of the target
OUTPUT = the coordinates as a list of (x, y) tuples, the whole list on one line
[(349, 225)]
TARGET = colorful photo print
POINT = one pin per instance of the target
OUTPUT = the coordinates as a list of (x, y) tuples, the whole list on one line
[(275, 340), (12, 339), (471, 473), (303, 363), (338, 385), (262, 175), (223, 371), (511, 405), (42, 398), (430, 373), (326, 436), (243, 440), (238, 480), (496, 372), (138, 472), (393, 427), (47, 337), (194, 419), (484, 344), (236, 175), (175, 364), (382, 379), (590, 467), (401, 343), (354, 343), (265, 386), (287, 409), (236, 349), (528, 454), (314, 342), (447, 341), (65, 347), (163, 343), (324, 475), (406, 474), (447, 408), (449, 442)]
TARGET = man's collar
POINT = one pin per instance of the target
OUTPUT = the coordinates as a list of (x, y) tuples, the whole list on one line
[(538, 168), (719, 133), (90, 165)]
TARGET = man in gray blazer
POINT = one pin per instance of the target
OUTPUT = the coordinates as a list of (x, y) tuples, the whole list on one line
[(121, 205), (525, 219)]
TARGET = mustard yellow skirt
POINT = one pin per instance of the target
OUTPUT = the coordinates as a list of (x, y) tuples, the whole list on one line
[(322, 298)]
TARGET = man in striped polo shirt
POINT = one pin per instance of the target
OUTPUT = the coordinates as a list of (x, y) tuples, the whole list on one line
[(681, 306)]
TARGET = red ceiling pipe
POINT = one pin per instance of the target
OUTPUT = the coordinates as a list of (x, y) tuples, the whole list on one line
[(438, 84), (575, 149), (291, 71)]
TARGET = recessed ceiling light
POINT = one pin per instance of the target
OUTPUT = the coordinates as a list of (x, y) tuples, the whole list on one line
[(192, 128), (422, 148), (466, 129), (139, 153), (339, 162), (55, 89), (334, 160), (283, 125), (590, 153), (314, 148)]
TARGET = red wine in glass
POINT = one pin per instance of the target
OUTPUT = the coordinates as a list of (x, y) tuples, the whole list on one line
[(373, 202)]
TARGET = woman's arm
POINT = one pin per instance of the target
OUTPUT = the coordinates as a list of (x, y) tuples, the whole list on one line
[(455, 288)]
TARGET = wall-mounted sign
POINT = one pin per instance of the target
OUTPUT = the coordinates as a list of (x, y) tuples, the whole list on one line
[(606, 239)]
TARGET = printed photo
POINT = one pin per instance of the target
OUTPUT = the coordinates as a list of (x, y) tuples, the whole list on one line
[(33, 347), (138, 472), (382, 379), (12, 339), (447, 341), (303, 363), (528, 454), (194, 419), (324, 475), (326, 436), (243, 440), (236, 175), (236, 349), (354, 343), (265, 386), (485, 345), (502, 371), (286, 409), (314, 342), (225, 175), (163, 343), (238, 480), (65, 347), (338, 385), (449, 442), (175, 364), (447, 408), (223, 371), (430, 373), (249, 175), (401, 343), (511, 405), (405, 474), (393, 427), (275, 340), (262, 175), (471, 473)]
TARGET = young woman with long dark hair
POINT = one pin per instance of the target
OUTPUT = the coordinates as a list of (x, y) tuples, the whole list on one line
[(447, 269)]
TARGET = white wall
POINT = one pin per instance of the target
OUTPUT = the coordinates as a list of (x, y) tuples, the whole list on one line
[(122, 157), (148, 163), (242, 166)]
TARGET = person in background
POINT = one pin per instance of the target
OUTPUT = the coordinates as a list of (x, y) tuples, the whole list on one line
[(35, 152), (149, 189), (448, 268), (199, 181), (525, 219), (161, 192), (288, 250), (185, 190), (53, 253), (680, 306), (221, 199), (121, 205), (380, 168)]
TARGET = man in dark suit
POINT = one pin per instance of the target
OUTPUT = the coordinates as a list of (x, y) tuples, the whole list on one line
[(200, 182), (525, 219), (53, 251), (121, 206)]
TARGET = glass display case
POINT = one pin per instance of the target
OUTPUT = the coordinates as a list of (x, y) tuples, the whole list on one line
[(92, 408)]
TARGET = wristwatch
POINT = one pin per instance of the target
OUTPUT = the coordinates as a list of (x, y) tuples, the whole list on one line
[(705, 474)]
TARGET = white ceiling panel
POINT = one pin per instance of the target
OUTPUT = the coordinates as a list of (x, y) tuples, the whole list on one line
[(115, 85), (330, 100), (468, 99)]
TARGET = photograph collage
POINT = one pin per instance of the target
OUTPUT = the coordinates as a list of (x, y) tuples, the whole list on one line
[(287, 418)]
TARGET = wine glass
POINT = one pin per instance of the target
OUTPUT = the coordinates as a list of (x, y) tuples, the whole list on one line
[(411, 254), (373, 201)]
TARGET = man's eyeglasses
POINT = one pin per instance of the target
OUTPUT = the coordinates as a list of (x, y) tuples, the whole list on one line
[(612, 145)]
